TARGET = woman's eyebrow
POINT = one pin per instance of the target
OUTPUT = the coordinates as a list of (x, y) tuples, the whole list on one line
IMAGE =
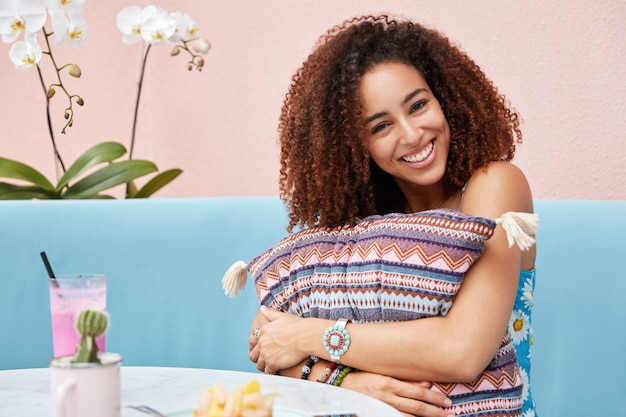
[(375, 116), (408, 98)]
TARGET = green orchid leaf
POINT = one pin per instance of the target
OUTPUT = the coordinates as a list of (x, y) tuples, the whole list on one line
[(25, 192), (14, 169), (108, 177), (158, 182), (97, 154)]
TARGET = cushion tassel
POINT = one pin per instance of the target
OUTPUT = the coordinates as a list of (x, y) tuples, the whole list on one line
[(520, 228), (235, 278)]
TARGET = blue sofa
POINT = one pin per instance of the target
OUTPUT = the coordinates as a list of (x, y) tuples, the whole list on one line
[(165, 258)]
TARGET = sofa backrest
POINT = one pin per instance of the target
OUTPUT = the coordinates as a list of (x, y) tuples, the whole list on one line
[(165, 258)]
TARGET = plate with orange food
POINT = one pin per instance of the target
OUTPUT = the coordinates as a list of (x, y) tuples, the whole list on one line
[(246, 400), (277, 411)]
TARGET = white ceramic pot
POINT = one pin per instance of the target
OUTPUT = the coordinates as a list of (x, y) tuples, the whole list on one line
[(86, 389)]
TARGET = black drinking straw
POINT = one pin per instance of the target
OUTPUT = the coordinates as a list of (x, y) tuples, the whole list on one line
[(49, 269)]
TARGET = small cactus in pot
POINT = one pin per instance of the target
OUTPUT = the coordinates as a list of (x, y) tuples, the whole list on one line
[(90, 324)]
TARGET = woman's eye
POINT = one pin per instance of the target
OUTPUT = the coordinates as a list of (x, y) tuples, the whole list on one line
[(418, 105), (378, 128)]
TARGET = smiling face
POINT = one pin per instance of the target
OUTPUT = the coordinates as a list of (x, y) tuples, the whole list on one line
[(407, 133)]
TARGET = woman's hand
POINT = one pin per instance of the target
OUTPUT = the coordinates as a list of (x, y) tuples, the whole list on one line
[(277, 345), (412, 399)]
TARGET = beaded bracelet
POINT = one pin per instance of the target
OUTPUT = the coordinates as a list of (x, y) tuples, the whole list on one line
[(345, 371), (334, 375), (330, 367), (306, 368)]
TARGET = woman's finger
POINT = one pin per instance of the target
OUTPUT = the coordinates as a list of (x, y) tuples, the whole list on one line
[(429, 396), (254, 354), (253, 339), (412, 399), (260, 364)]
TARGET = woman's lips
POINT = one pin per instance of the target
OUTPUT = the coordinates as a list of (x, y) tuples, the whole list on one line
[(421, 155)]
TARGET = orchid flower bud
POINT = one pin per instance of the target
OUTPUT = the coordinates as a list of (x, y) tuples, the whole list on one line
[(50, 93), (201, 45), (80, 101), (75, 71), (175, 51)]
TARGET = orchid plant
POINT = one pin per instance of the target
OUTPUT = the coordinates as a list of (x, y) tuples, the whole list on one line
[(23, 24)]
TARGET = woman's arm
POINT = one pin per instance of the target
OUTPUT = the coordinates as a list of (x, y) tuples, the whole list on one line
[(456, 347), (410, 398)]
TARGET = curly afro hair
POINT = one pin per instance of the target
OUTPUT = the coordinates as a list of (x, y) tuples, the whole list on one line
[(327, 177)]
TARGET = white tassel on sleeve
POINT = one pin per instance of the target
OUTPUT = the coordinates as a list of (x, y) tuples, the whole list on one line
[(235, 278), (520, 228)]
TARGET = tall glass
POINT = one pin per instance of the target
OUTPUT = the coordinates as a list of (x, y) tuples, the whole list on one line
[(69, 294)]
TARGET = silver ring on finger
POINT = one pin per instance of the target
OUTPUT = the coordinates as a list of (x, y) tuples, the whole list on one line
[(255, 333)]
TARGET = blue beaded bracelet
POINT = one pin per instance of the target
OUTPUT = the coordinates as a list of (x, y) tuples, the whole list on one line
[(337, 340)]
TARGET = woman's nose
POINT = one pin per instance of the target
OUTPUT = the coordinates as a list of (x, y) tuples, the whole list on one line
[(411, 132)]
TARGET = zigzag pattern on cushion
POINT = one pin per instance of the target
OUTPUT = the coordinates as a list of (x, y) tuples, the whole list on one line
[(373, 251), (362, 303), (502, 378), (445, 228), (470, 229), (504, 407)]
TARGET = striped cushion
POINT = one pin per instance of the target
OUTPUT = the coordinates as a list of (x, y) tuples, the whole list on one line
[(385, 268), (391, 268)]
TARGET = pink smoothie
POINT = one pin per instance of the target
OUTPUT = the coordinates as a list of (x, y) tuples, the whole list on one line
[(66, 300)]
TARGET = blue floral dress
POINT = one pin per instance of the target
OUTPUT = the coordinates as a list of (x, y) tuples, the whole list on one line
[(521, 331)]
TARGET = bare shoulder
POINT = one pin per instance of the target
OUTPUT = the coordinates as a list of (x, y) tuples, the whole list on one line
[(496, 188)]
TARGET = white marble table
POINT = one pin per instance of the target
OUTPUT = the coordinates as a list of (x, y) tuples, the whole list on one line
[(26, 392)]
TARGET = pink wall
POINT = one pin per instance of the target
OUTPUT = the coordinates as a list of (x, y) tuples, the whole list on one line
[(561, 63)]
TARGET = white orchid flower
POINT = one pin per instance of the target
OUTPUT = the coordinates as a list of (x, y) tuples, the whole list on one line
[(64, 5), (186, 28), (158, 25), (25, 54), (151, 24), (20, 16), (70, 27), (129, 22)]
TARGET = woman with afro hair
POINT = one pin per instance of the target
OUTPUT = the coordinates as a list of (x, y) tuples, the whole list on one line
[(388, 116)]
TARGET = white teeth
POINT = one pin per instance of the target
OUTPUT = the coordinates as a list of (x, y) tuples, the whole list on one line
[(419, 157)]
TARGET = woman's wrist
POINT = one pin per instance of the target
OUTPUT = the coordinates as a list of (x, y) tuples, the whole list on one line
[(313, 342), (293, 372)]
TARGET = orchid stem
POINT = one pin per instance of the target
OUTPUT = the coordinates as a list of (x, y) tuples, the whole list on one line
[(50, 130), (139, 85), (69, 111)]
